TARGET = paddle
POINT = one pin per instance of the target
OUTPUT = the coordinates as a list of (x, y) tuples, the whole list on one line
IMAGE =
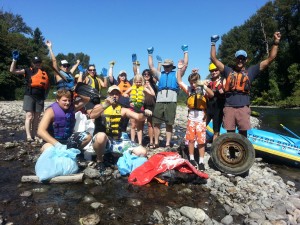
[(88, 91), (287, 129)]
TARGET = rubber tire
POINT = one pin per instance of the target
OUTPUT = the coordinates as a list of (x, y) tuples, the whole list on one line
[(247, 155)]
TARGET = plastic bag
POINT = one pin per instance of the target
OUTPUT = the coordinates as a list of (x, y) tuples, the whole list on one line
[(56, 162), (128, 162), (83, 124)]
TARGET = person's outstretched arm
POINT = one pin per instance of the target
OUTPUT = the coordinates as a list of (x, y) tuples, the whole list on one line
[(46, 120), (213, 53), (273, 53), (150, 61), (74, 67), (110, 72), (13, 69), (185, 59)]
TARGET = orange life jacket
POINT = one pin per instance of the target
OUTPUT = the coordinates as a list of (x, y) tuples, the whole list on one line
[(238, 82), (124, 86), (39, 80)]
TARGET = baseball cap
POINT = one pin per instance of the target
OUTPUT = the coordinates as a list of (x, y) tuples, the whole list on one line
[(122, 71), (114, 87), (62, 62), (37, 59), (241, 53)]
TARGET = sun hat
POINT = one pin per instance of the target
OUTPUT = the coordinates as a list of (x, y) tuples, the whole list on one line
[(37, 59), (114, 87), (168, 62), (241, 53)]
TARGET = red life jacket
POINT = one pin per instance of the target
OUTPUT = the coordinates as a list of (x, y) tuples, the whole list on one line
[(238, 82)]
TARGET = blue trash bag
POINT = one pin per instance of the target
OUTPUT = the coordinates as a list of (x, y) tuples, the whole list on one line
[(128, 162), (56, 162)]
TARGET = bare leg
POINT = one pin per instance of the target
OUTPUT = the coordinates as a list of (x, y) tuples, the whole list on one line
[(169, 130), (150, 130), (139, 126), (133, 126), (191, 147), (99, 145), (85, 141), (28, 123), (156, 133), (216, 134), (35, 123)]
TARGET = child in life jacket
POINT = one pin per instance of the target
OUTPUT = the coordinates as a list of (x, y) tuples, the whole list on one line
[(137, 96), (197, 92)]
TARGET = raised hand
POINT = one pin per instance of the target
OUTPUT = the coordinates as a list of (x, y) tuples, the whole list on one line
[(185, 48), (104, 72), (214, 39), (277, 37), (80, 68), (112, 63), (133, 57), (159, 59), (49, 44), (150, 50), (15, 54)]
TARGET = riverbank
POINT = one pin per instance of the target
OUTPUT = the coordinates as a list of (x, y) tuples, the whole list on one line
[(262, 197)]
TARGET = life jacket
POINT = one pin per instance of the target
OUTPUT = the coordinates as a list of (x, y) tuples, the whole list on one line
[(238, 82), (124, 86), (39, 79), (94, 82), (64, 122), (196, 99), (137, 94), (168, 81), (69, 84), (112, 121)]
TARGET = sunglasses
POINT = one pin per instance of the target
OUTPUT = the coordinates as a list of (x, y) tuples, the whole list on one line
[(213, 71), (66, 65), (241, 58), (168, 66), (122, 75), (146, 74), (92, 70)]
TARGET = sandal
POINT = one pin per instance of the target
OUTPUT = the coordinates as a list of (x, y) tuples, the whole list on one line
[(30, 140), (168, 148), (151, 146)]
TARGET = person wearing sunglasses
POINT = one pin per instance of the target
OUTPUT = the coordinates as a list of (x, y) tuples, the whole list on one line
[(64, 74), (93, 80), (238, 85), (36, 90), (166, 100)]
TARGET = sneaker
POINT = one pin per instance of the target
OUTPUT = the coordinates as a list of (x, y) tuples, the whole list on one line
[(100, 166), (195, 164), (201, 167)]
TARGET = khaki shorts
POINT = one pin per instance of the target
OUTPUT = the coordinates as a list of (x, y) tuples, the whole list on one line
[(236, 117), (165, 111)]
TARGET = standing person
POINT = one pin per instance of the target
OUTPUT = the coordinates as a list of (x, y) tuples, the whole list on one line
[(166, 101), (57, 125), (198, 93), (65, 78), (110, 112), (36, 90), (215, 105), (123, 83), (94, 81), (137, 99), (238, 84)]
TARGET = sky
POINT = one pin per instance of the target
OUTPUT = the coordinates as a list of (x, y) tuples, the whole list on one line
[(114, 29)]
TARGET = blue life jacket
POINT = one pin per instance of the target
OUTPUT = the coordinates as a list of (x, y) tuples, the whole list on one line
[(69, 84), (168, 81), (63, 124)]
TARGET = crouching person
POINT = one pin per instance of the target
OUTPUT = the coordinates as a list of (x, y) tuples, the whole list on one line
[(57, 125), (111, 113)]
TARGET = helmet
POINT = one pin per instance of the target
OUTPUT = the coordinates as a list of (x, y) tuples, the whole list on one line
[(212, 67)]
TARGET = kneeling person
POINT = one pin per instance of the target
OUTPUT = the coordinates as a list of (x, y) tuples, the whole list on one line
[(57, 125), (111, 113)]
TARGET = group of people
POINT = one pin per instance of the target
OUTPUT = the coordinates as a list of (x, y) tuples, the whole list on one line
[(151, 95)]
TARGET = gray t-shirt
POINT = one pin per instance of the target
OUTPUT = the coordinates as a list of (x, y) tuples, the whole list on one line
[(235, 99)]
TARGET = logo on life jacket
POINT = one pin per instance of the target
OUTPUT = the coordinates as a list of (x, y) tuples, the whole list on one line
[(39, 79), (196, 100), (238, 82)]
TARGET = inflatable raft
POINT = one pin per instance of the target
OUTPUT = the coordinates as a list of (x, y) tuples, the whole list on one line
[(271, 145)]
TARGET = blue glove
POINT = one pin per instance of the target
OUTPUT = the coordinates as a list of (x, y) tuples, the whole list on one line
[(15, 54), (159, 59), (104, 72), (80, 68), (214, 39), (185, 48), (150, 50), (134, 57)]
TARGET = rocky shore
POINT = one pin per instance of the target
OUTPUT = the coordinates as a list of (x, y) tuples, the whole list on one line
[(262, 197)]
